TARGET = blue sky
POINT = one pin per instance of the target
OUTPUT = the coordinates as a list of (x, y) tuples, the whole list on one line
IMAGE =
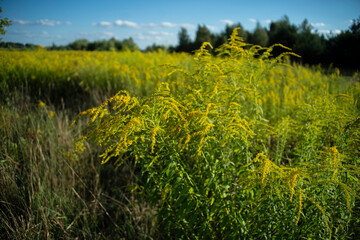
[(62, 21)]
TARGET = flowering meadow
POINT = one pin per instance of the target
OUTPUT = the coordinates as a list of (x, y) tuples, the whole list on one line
[(241, 145)]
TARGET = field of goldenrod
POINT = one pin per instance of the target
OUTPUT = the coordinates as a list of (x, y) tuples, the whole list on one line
[(45, 73), (242, 145)]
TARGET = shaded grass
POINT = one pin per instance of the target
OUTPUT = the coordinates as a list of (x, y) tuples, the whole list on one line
[(48, 192)]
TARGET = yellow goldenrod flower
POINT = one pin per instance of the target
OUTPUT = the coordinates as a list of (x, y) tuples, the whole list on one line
[(41, 104)]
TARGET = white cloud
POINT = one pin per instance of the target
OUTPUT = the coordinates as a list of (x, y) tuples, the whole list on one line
[(321, 31), (326, 31), (267, 21), (174, 25), (319, 24), (188, 26), (150, 25), (43, 22), (22, 22), (47, 22), (126, 23), (140, 36), (253, 20), (94, 36), (158, 37), (153, 33), (105, 24), (211, 28), (227, 22), (130, 24), (169, 24), (108, 34)]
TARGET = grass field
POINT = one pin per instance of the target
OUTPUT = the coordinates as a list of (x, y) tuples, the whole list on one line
[(177, 146)]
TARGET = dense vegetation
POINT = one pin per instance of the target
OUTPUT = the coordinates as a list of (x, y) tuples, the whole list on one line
[(241, 145)]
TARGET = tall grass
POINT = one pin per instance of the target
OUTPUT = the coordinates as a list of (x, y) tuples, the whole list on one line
[(242, 145), (47, 192)]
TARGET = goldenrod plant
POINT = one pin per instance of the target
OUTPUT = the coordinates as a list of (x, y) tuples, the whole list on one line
[(238, 146)]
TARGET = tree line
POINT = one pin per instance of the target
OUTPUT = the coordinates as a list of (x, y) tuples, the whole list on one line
[(338, 49), (82, 45), (341, 49)]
